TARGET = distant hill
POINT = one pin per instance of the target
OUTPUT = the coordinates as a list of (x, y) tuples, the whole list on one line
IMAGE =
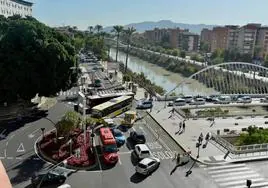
[(143, 26)]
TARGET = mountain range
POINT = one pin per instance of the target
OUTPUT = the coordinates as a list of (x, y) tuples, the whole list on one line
[(149, 25)]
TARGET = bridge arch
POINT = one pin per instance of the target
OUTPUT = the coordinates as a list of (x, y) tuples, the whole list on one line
[(231, 78)]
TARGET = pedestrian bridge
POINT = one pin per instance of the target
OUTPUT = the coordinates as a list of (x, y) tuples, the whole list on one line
[(231, 78)]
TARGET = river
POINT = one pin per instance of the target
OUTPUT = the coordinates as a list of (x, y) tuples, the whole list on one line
[(166, 79)]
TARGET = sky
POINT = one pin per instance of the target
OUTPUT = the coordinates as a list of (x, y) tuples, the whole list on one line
[(83, 13)]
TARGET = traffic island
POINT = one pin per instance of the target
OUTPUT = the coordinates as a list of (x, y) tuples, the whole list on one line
[(74, 149)]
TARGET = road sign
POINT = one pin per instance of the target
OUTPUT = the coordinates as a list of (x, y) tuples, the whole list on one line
[(21, 148)]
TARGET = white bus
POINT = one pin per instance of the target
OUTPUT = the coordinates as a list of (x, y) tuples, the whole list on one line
[(113, 107)]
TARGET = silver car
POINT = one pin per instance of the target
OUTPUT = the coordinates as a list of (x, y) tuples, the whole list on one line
[(147, 165)]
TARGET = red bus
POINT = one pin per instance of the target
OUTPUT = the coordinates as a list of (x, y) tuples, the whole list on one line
[(109, 147)]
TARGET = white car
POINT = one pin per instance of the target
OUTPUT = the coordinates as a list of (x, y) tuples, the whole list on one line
[(147, 165), (188, 98), (142, 151), (245, 99), (177, 102), (198, 101)]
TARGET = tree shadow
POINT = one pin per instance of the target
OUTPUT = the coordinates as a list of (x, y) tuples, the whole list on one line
[(137, 178), (26, 169), (7, 127)]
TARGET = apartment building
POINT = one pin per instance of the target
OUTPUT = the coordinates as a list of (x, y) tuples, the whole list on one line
[(206, 37), (247, 36), (232, 36), (262, 41), (219, 38), (12, 7), (177, 37), (188, 41)]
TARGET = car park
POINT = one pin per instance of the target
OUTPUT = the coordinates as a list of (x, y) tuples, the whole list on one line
[(142, 151), (137, 137), (145, 104), (147, 165), (47, 179), (119, 137)]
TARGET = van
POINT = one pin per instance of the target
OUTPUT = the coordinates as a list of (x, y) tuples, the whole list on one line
[(65, 186)]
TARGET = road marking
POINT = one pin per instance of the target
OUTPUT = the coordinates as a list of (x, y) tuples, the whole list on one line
[(119, 161), (144, 132), (7, 143), (12, 136), (32, 133), (19, 158), (164, 155), (2, 134), (154, 145), (10, 158), (21, 148)]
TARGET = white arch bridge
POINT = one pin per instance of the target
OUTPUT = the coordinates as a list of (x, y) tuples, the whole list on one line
[(232, 78)]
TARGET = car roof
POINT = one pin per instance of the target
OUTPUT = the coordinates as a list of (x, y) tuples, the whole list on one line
[(139, 133), (143, 147), (146, 161)]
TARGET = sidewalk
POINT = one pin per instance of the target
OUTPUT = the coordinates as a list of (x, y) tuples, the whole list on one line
[(212, 154)]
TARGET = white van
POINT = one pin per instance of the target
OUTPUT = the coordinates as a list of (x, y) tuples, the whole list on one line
[(65, 186)]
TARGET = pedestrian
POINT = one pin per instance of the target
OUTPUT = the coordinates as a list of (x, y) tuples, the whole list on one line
[(180, 125), (178, 159), (183, 126)]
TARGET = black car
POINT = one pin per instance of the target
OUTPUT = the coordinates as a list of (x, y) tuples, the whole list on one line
[(47, 179), (137, 137)]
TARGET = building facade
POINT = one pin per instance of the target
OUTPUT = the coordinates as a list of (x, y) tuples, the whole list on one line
[(219, 38), (262, 42), (247, 36), (15, 7), (206, 37), (188, 41), (232, 36)]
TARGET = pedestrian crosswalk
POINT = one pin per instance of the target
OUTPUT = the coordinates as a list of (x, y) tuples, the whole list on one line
[(67, 93), (235, 176)]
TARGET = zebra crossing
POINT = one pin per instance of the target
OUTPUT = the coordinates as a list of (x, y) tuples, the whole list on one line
[(67, 93), (235, 176)]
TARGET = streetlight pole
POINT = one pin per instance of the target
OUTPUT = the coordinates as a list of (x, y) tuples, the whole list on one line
[(54, 126)]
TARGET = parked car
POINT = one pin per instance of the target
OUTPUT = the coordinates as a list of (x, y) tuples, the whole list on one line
[(119, 137), (145, 104), (142, 151), (177, 102), (223, 100), (264, 100), (147, 165), (198, 101), (188, 98), (47, 179), (245, 99), (137, 137)]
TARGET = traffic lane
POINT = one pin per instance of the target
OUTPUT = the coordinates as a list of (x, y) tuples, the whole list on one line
[(260, 167)]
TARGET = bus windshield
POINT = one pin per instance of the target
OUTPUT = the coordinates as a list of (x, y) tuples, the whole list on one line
[(110, 148)]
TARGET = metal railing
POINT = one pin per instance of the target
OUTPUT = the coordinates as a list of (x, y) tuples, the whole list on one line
[(242, 151)]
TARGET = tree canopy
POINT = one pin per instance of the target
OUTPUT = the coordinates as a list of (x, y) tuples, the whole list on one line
[(34, 59)]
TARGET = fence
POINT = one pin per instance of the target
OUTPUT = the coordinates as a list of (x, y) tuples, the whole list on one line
[(242, 151)]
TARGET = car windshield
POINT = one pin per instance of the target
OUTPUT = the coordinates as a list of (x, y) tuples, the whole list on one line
[(141, 165), (140, 136), (110, 148)]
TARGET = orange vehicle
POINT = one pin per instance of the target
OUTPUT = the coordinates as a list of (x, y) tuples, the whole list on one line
[(109, 147)]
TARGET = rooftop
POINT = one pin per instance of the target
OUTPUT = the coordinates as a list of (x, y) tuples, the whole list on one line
[(22, 2)]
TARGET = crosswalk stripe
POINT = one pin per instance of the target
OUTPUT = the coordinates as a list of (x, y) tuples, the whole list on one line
[(225, 166), (233, 174), (240, 182), (233, 177), (228, 170), (255, 185)]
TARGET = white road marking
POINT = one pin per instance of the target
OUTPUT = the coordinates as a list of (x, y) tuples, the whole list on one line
[(164, 155), (119, 161), (10, 158), (144, 132), (2, 134), (32, 133), (2, 157), (7, 143), (21, 148), (19, 158), (5, 152), (12, 136)]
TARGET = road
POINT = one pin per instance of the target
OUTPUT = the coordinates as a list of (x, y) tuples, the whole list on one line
[(21, 162)]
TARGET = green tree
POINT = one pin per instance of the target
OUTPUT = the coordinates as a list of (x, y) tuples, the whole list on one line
[(183, 54), (117, 29), (64, 127), (128, 32), (204, 47), (73, 117), (90, 28), (32, 58), (98, 28)]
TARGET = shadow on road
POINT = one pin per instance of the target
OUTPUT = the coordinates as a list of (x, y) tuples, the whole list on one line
[(26, 169), (7, 127), (129, 143), (137, 178), (134, 159)]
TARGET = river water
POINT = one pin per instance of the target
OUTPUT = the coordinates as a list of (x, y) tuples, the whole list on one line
[(166, 79)]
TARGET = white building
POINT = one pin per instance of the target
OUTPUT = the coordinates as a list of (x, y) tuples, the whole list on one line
[(12, 7)]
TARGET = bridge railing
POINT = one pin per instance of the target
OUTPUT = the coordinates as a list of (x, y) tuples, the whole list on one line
[(241, 151)]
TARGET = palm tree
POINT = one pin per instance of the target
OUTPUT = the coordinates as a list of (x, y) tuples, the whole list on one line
[(90, 28), (117, 29), (103, 34), (98, 28), (128, 32)]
